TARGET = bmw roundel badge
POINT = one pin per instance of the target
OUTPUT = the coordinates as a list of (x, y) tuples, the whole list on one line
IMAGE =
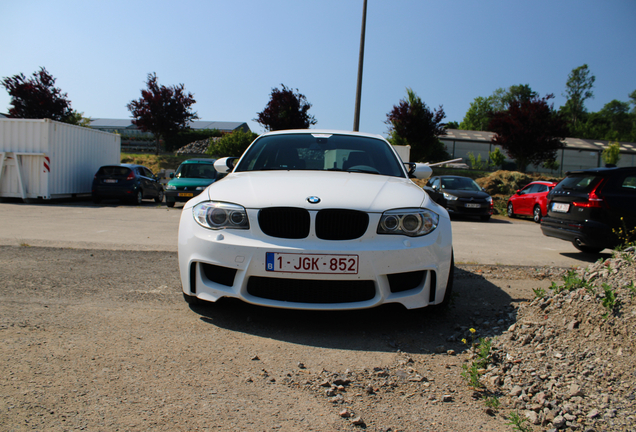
[(313, 200)]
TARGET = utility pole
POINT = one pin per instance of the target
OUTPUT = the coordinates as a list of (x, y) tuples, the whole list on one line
[(356, 115)]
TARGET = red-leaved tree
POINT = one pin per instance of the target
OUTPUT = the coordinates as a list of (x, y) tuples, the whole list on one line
[(37, 97), (162, 110), (286, 110), (411, 122), (530, 131)]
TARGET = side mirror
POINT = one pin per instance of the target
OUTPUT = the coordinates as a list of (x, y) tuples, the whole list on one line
[(171, 175), (225, 165), (419, 170), (518, 190)]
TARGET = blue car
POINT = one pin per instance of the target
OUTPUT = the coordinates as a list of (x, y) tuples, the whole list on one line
[(127, 182)]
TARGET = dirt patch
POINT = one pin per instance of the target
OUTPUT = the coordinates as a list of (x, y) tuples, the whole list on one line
[(102, 340)]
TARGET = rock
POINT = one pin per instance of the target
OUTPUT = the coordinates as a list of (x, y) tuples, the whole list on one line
[(447, 398), (440, 349), (558, 422), (358, 422), (516, 391), (533, 417), (575, 390)]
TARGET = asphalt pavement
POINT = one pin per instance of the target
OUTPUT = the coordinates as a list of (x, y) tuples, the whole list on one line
[(115, 226)]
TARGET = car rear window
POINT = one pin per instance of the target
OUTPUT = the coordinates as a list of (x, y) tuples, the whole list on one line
[(114, 171), (579, 182), (629, 183)]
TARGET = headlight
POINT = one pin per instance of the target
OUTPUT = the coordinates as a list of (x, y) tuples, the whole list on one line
[(170, 187), (201, 188), (410, 222), (220, 215), (449, 197)]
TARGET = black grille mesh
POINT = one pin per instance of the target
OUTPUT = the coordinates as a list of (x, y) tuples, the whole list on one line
[(310, 291), (284, 222), (337, 224)]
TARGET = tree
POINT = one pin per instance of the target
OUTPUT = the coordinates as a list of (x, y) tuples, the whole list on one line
[(37, 97), (578, 89), (611, 154), (233, 144), (412, 123), (286, 110), (529, 131), (78, 119), (478, 115), (162, 110)]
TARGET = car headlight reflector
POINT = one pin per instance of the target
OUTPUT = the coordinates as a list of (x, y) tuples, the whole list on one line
[(449, 197), (410, 222), (220, 215), (170, 187)]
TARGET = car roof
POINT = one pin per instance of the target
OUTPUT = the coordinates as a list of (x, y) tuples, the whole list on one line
[(601, 171), (453, 176), (199, 160), (545, 182)]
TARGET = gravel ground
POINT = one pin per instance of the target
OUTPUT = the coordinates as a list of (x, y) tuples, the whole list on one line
[(102, 340)]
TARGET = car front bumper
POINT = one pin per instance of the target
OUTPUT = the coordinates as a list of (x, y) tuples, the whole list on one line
[(180, 196), (412, 271)]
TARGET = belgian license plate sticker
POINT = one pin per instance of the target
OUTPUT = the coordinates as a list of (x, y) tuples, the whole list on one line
[(311, 263), (560, 207), (473, 205)]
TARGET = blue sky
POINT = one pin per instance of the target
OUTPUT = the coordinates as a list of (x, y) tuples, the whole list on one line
[(230, 54)]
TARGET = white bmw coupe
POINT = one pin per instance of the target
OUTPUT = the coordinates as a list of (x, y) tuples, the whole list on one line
[(317, 220)]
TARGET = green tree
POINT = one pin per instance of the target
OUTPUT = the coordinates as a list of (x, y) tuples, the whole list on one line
[(497, 158), (37, 97), (286, 110), (578, 89), (612, 153), (480, 112), (412, 123), (529, 131), (232, 144), (478, 115), (78, 119), (162, 110)]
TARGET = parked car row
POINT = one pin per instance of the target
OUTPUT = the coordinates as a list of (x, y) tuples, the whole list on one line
[(133, 183)]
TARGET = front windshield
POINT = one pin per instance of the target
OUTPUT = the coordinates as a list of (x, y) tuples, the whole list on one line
[(321, 152), (190, 170), (460, 183)]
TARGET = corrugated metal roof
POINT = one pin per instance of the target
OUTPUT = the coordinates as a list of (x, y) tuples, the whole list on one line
[(570, 143)]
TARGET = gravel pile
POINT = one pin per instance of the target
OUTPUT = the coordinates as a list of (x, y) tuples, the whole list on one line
[(197, 147), (569, 361)]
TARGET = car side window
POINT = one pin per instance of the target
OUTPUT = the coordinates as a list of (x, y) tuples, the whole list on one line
[(542, 188), (629, 184), (435, 183)]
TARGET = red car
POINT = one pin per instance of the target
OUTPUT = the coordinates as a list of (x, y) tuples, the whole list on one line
[(531, 200)]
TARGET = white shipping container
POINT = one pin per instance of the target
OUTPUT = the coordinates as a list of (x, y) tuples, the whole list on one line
[(404, 152), (48, 159)]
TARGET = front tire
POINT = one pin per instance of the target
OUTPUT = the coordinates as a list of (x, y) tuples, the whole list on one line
[(536, 214), (159, 198), (511, 211), (170, 203), (448, 294)]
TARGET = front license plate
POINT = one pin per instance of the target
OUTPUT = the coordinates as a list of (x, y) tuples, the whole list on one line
[(560, 207), (185, 194), (473, 205), (311, 263)]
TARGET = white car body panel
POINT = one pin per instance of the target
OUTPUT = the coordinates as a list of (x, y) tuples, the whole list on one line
[(242, 253)]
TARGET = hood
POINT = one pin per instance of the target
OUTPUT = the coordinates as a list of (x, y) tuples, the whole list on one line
[(190, 182), (467, 194), (365, 192)]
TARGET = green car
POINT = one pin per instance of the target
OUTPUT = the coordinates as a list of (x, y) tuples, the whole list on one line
[(190, 179)]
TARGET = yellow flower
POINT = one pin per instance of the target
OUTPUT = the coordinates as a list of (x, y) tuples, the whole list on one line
[(464, 340), (472, 330)]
